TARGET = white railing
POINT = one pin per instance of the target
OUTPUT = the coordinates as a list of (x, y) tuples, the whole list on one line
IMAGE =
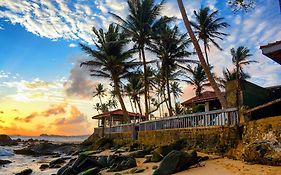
[(203, 119)]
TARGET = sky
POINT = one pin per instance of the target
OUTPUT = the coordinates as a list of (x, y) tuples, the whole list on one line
[(44, 90)]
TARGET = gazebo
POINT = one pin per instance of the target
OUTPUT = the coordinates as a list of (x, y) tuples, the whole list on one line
[(117, 117)]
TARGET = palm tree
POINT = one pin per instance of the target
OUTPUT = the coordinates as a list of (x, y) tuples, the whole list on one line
[(142, 15), (198, 79), (170, 47), (231, 75), (207, 27), (110, 59), (136, 86), (241, 5), (200, 56), (239, 59), (176, 91), (100, 92)]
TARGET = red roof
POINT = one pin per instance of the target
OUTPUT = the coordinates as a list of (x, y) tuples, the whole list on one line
[(117, 112), (270, 44), (205, 96)]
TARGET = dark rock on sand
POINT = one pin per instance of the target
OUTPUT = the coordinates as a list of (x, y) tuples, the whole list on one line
[(126, 163), (176, 161), (5, 140), (92, 171), (3, 162), (140, 153), (25, 172), (45, 148), (263, 152), (43, 167), (56, 162), (160, 152)]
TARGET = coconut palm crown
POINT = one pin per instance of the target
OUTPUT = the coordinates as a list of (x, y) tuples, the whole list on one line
[(110, 59)]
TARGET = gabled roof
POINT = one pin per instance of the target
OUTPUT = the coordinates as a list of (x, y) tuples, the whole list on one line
[(118, 114), (205, 96)]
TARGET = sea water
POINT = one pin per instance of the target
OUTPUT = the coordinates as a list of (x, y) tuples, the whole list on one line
[(21, 162)]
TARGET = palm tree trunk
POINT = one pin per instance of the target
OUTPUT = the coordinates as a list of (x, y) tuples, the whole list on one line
[(145, 84), (169, 93), (200, 55), (206, 54), (139, 106), (118, 93), (132, 107)]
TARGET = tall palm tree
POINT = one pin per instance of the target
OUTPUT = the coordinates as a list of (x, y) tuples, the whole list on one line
[(142, 15), (100, 92), (200, 55), (240, 58), (231, 75), (176, 91), (170, 47), (136, 86), (198, 79), (207, 26), (110, 59)]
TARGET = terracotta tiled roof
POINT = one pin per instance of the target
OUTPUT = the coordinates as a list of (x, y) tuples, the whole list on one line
[(116, 113), (270, 44), (205, 96)]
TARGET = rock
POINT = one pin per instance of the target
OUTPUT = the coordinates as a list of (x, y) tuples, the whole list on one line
[(56, 162), (263, 152), (137, 170), (176, 161), (45, 148), (6, 152), (92, 171), (5, 140), (43, 167), (122, 163), (85, 163), (154, 167), (3, 162), (104, 143), (161, 152), (147, 158), (140, 153), (25, 172)]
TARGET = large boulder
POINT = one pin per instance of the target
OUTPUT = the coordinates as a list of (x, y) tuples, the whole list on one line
[(140, 153), (263, 152), (5, 140), (25, 172), (160, 152), (92, 171), (176, 161), (56, 162), (3, 162)]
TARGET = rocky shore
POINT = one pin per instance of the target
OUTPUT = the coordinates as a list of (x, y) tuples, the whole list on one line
[(103, 156)]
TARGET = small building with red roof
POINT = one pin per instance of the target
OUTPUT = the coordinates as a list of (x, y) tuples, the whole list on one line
[(207, 98)]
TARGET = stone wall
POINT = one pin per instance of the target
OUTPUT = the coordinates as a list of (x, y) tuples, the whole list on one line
[(121, 138), (267, 128), (209, 139)]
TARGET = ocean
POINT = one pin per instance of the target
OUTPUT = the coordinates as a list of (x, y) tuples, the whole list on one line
[(21, 162)]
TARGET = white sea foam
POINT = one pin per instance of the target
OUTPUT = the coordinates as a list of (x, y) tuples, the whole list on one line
[(6, 152)]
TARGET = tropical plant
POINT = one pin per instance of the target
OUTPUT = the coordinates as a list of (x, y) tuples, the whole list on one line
[(170, 47), (110, 59), (229, 76), (176, 91), (138, 24), (198, 79), (241, 5), (100, 92), (207, 26), (240, 58), (200, 55)]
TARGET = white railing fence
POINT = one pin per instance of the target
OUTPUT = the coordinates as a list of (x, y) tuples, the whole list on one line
[(222, 117)]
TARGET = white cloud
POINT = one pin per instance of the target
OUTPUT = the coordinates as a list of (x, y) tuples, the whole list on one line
[(72, 45)]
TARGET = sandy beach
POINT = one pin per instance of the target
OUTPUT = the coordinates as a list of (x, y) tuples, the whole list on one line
[(216, 165)]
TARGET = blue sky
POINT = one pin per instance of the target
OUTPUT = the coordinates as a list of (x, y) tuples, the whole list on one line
[(39, 57)]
